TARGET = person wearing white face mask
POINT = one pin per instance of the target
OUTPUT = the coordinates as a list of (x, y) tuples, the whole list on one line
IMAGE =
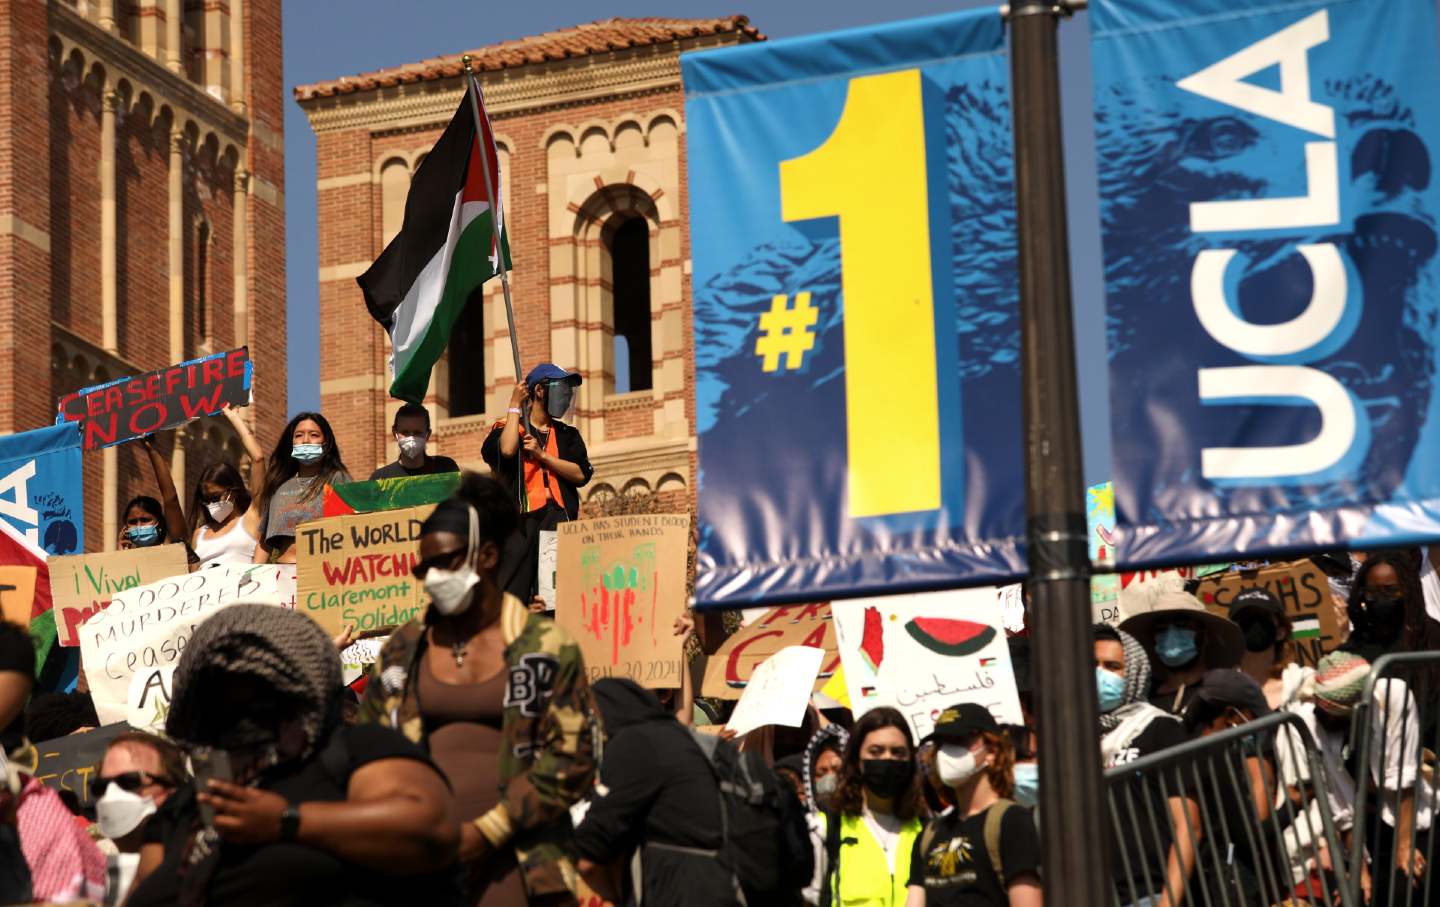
[(411, 429), (498, 696), (986, 850), (136, 776)]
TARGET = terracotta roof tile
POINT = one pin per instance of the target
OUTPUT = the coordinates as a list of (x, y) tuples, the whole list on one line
[(577, 41)]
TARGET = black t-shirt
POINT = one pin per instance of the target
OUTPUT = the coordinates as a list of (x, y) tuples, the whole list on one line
[(294, 874), (1145, 841), (17, 654), (955, 866), (398, 470)]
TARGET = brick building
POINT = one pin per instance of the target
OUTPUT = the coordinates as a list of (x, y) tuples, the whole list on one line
[(590, 127), (141, 214)]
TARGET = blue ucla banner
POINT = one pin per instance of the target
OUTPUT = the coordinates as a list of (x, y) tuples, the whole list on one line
[(42, 494), (1273, 291), (856, 312)]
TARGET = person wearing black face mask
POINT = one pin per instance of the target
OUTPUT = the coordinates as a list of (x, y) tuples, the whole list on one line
[(1386, 608), (871, 832), (1266, 627)]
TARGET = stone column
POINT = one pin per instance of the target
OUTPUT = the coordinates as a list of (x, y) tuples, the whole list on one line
[(240, 204), (177, 282), (109, 322), (174, 28), (107, 15), (237, 56)]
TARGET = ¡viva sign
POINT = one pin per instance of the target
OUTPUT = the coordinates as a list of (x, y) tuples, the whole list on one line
[(1282, 377)]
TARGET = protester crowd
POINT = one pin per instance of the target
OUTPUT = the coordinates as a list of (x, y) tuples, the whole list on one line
[(481, 766)]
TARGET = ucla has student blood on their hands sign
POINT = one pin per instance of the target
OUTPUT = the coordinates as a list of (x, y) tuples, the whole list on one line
[(856, 312), (129, 408), (1273, 291)]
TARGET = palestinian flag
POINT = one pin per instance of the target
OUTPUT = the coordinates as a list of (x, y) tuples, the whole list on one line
[(1305, 628), (389, 494), (445, 250)]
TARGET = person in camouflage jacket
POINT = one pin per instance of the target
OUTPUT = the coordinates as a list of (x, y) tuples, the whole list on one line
[(549, 733), (547, 760)]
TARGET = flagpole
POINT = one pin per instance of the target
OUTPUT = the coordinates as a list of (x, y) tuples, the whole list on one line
[(472, 90)]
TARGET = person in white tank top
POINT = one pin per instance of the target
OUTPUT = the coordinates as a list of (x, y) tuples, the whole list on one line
[(224, 524)]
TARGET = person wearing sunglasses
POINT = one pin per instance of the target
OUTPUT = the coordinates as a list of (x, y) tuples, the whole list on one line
[(497, 696), (137, 774)]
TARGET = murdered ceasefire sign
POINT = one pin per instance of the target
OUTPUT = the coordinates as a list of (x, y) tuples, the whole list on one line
[(728, 670), (129, 408), (1300, 586), (149, 626), (355, 569), (620, 586), (82, 584)]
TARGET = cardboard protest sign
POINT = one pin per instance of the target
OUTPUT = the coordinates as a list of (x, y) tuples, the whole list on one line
[(923, 653), (1300, 586), (729, 669), (620, 587), (69, 762), (83, 584), (356, 569), (17, 592), (148, 627), (779, 690), (147, 702), (128, 408), (548, 567)]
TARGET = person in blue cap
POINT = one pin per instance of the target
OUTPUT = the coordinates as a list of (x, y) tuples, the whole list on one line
[(552, 462)]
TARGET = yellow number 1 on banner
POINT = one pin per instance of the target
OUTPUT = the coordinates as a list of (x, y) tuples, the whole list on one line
[(871, 173)]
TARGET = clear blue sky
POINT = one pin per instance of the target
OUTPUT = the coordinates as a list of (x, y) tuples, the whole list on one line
[(376, 33)]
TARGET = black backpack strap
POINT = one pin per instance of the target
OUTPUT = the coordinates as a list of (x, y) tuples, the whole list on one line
[(828, 895)]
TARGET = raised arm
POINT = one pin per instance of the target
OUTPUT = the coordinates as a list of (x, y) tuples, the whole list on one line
[(257, 457), (175, 525), (510, 435), (397, 817)]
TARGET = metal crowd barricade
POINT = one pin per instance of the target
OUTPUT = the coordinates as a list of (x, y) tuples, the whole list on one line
[(1253, 834), (1395, 734)]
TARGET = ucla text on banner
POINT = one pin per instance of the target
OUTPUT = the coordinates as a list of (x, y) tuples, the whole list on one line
[(129, 408), (1272, 287), (856, 312), (42, 512)]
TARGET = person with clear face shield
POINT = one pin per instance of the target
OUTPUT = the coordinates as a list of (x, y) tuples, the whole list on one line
[(543, 463)]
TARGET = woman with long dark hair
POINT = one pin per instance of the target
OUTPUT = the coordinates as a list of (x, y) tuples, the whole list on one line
[(143, 524), (1387, 607), (224, 528), (871, 832), (306, 459)]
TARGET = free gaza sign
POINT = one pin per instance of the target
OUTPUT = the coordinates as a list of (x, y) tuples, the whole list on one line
[(129, 408)]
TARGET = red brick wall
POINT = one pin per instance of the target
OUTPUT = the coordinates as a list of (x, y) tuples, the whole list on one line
[(49, 180)]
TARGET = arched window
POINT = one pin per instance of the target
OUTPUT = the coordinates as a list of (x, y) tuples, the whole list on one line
[(466, 366), (630, 272)]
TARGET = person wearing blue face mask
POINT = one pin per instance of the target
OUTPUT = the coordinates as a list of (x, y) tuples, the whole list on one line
[(142, 524), (1184, 639), (306, 459), (1154, 869)]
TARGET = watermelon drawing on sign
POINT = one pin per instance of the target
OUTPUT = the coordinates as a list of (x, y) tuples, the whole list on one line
[(872, 642), (947, 636)]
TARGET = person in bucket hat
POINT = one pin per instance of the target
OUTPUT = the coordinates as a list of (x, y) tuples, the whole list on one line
[(1183, 640)]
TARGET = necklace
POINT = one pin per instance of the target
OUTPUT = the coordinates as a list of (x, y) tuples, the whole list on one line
[(457, 649)]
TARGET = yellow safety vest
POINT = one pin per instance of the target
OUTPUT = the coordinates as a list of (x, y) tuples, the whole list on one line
[(864, 877)]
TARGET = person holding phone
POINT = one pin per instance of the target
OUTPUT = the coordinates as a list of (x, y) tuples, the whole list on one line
[(289, 805)]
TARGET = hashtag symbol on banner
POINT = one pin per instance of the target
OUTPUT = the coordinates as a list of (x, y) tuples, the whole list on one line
[(785, 332)]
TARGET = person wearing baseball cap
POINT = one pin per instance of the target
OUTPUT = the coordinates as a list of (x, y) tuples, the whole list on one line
[(1266, 627), (552, 462), (986, 849), (1184, 640)]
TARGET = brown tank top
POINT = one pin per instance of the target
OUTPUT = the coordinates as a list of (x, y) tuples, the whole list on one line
[(463, 723)]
